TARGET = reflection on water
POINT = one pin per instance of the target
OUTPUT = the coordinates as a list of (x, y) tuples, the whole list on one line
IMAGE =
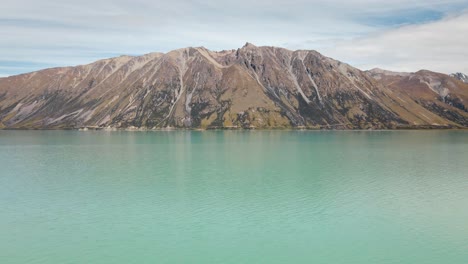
[(233, 197)]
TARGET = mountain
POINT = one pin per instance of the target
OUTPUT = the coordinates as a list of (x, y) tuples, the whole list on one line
[(460, 76), (251, 87), (439, 93)]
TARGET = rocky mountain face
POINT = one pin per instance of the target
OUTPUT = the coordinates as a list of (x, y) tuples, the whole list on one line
[(460, 76), (251, 87), (441, 94)]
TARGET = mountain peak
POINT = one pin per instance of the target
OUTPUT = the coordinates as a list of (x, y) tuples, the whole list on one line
[(249, 45), (377, 72), (460, 76)]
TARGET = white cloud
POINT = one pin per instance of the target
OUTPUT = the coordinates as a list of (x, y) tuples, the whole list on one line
[(439, 46), (65, 32)]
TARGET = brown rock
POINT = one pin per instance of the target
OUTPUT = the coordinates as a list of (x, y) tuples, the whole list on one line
[(251, 87)]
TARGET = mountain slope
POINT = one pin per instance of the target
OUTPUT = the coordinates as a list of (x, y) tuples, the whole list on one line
[(261, 87), (441, 94)]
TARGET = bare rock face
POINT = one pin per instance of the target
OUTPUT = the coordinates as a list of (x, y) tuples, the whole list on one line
[(460, 76), (441, 94), (251, 87)]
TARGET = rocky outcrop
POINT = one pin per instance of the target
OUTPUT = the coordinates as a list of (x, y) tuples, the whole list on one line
[(251, 87), (460, 76)]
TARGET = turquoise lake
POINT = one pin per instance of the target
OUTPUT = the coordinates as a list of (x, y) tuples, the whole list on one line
[(234, 197)]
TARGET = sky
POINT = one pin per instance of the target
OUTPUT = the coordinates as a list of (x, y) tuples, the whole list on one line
[(398, 35)]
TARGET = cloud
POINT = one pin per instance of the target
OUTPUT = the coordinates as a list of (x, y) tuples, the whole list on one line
[(65, 32), (438, 46)]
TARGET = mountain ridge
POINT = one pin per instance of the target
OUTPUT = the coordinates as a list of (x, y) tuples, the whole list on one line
[(249, 87), (460, 76)]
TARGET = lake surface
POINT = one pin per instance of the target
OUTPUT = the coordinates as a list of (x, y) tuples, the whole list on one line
[(234, 197)]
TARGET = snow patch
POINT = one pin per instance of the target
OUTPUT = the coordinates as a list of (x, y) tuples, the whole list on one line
[(182, 65), (311, 80), (188, 98), (296, 83)]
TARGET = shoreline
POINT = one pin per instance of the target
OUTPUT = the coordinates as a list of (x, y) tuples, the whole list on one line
[(167, 129)]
